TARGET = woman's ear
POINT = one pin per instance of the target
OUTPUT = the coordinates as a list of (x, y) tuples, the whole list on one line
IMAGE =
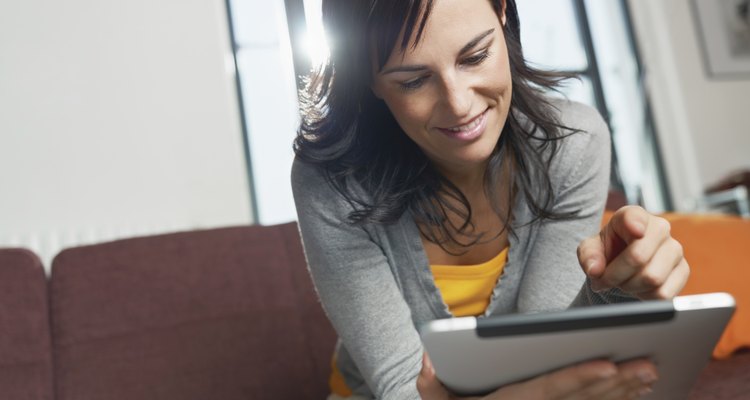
[(502, 15), (376, 90)]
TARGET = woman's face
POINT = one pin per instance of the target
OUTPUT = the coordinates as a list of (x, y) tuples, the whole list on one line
[(451, 94)]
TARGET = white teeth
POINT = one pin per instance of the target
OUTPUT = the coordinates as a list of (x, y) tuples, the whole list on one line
[(467, 127)]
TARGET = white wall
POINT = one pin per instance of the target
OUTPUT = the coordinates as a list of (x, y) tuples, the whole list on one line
[(703, 123), (116, 118)]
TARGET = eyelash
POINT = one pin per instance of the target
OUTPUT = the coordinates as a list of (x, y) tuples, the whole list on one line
[(412, 84), (471, 61), (477, 59)]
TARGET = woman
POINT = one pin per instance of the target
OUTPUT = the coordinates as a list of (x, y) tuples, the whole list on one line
[(433, 180)]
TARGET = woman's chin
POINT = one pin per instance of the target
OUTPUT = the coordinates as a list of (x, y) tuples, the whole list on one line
[(468, 161)]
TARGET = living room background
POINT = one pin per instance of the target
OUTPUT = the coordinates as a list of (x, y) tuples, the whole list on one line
[(120, 119)]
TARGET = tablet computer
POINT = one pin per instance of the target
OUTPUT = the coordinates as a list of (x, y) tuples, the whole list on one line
[(474, 356)]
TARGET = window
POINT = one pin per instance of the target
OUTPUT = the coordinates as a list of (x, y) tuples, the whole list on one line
[(592, 39), (268, 96), (588, 37)]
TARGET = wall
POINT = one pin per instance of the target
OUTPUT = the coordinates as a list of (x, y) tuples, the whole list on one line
[(702, 122), (116, 118)]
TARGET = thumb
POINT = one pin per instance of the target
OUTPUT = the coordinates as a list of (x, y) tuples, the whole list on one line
[(428, 386), (591, 256)]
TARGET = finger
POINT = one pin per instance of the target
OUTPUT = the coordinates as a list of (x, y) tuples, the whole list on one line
[(628, 223), (655, 274), (634, 379), (641, 369), (591, 256), (626, 383), (617, 387), (673, 286), (559, 383), (636, 255), (428, 386), (621, 388), (570, 380)]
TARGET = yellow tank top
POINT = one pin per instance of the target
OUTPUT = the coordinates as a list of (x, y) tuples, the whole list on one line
[(466, 290)]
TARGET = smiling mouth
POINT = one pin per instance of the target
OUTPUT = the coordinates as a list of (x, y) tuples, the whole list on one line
[(469, 125), (468, 131)]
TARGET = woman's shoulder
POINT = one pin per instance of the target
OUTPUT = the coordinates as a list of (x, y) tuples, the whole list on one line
[(585, 139), (584, 129), (305, 175), (309, 181), (579, 117), (304, 172), (311, 184)]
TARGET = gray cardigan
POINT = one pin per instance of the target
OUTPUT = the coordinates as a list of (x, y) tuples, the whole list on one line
[(376, 287)]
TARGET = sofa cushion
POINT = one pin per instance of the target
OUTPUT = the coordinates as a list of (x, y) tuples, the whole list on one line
[(724, 379), (25, 350), (716, 246), (224, 314)]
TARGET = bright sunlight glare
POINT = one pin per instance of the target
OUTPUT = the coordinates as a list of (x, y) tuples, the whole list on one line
[(315, 42)]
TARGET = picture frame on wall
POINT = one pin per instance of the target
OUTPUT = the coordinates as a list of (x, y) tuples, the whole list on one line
[(724, 29)]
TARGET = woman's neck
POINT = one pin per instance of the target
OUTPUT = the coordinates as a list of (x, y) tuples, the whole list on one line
[(470, 180)]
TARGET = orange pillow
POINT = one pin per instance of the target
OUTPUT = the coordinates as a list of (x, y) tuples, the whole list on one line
[(717, 247)]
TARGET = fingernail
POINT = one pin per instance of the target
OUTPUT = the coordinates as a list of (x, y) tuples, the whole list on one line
[(646, 377), (606, 373), (590, 264), (428, 364), (645, 390)]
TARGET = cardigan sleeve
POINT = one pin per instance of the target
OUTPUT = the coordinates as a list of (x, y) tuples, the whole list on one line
[(357, 289)]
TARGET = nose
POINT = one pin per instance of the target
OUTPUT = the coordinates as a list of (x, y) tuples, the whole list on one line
[(456, 96)]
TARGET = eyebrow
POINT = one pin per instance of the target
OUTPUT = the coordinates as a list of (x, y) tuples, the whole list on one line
[(467, 47)]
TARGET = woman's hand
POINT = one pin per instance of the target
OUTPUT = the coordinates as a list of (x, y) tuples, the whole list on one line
[(635, 253), (593, 380)]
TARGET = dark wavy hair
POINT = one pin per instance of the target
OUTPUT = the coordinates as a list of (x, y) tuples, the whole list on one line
[(352, 136)]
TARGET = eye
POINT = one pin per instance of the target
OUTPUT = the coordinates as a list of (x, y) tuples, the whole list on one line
[(413, 84), (476, 58)]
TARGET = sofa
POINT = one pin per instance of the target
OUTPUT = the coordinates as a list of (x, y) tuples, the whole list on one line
[(215, 314), (222, 314)]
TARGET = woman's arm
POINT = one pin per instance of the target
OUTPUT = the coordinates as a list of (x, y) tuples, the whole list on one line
[(633, 257), (580, 172), (357, 289)]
